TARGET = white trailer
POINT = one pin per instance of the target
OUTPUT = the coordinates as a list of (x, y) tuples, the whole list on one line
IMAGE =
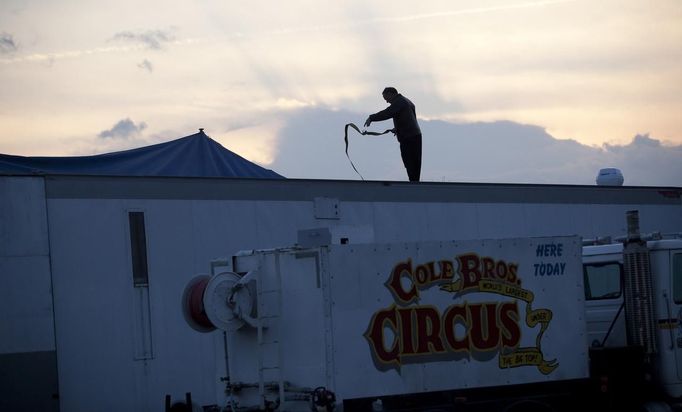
[(93, 269), (452, 325), (369, 322)]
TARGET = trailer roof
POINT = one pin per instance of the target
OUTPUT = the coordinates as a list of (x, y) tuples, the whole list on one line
[(109, 187)]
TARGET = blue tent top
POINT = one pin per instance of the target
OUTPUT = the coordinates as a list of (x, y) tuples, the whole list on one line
[(196, 155)]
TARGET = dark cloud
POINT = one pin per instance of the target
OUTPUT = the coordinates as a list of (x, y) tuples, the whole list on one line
[(7, 43), (146, 65), (153, 39), (311, 146), (645, 140), (124, 129)]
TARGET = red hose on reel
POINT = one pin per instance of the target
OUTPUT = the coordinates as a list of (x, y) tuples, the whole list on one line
[(193, 304)]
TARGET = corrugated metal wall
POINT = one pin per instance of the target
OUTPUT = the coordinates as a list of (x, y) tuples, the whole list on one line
[(28, 369)]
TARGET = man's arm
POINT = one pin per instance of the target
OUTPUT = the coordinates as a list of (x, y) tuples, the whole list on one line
[(389, 112)]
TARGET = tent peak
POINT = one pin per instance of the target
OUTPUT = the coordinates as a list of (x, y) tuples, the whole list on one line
[(195, 155)]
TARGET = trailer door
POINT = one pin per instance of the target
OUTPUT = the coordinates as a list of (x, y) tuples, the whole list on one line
[(676, 337)]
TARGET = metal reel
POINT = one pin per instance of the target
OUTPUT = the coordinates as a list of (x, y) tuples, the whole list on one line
[(229, 303)]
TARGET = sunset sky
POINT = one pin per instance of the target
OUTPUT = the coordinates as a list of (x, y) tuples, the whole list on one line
[(85, 77)]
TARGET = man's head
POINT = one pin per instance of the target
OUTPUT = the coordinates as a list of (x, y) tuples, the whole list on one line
[(389, 93)]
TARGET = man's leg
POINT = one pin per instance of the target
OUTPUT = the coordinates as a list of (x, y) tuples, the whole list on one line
[(417, 158), (411, 152)]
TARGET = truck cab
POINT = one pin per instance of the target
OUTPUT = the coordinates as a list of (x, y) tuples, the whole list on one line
[(606, 325)]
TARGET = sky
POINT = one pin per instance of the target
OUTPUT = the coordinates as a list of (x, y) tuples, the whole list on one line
[(513, 91)]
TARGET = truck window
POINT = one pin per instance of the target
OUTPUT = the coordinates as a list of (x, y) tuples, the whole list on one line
[(602, 280), (677, 277)]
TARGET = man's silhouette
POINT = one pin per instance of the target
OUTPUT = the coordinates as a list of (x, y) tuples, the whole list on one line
[(406, 129)]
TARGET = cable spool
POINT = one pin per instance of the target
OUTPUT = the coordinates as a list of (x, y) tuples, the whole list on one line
[(193, 304), (229, 302)]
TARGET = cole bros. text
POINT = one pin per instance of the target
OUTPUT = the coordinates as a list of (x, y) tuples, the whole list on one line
[(408, 332)]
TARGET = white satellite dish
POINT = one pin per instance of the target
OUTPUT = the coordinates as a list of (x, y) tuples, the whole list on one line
[(610, 176)]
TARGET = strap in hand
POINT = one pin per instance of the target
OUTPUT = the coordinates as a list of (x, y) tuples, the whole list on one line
[(364, 133)]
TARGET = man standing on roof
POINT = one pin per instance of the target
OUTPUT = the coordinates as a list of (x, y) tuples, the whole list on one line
[(406, 129)]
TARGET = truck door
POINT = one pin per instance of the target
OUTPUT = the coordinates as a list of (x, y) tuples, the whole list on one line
[(603, 300), (676, 315)]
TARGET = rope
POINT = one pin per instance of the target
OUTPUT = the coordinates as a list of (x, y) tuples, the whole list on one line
[(364, 133)]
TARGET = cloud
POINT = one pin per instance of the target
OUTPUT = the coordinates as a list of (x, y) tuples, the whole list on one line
[(405, 18), (7, 44), (148, 40), (311, 146), (124, 129), (153, 39), (476, 10), (645, 140), (146, 65)]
